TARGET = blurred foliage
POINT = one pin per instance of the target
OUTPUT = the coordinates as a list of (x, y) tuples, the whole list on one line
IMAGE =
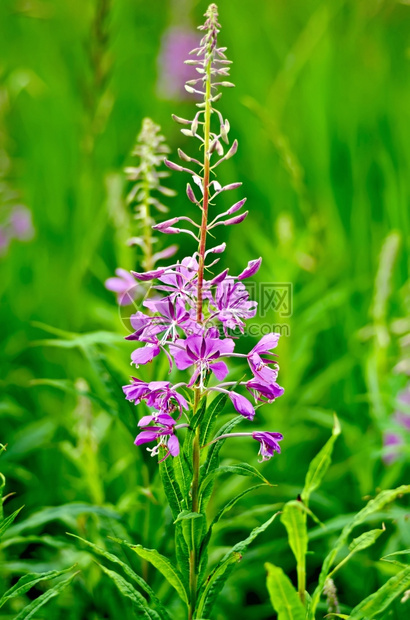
[(322, 114)]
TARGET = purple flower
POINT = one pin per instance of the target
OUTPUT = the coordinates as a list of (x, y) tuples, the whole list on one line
[(232, 304), (160, 395), (165, 398), (264, 392), (392, 443), (242, 405), (173, 314), (260, 365), (136, 391), (269, 443), (166, 436), (179, 281), (145, 354), (124, 285), (202, 351)]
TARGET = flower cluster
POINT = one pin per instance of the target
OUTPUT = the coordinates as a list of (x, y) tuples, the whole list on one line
[(192, 323)]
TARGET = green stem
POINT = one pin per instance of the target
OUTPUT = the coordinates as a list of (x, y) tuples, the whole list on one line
[(205, 202), (193, 568)]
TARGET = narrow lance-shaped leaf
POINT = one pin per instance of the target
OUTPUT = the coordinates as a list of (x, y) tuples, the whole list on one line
[(5, 524), (379, 601), (283, 595), (374, 505), (320, 464), (230, 504), (162, 564), (126, 589), (128, 571), (360, 543), (241, 469), (294, 519), (223, 569), (31, 609), (27, 582), (212, 460), (171, 487)]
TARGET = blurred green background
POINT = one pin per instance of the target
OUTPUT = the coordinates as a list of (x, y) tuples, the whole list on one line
[(321, 110)]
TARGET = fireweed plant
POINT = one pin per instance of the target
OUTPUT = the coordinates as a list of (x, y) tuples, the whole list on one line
[(191, 325)]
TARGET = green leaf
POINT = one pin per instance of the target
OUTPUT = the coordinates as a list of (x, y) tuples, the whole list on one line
[(212, 459), (34, 606), (186, 515), (5, 524), (402, 552), (182, 551), (294, 519), (241, 469), (320, 464), (67, 513), (28, 581), (380, 600), (208, 419), (225, 509), (162, 564), (374, 505), (216, 580), (171, 486), (126, 589), (183, 473), (128, 571), (283, 595), (359, 544)]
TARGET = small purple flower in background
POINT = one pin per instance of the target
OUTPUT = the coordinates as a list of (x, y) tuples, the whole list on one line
[(177, 42), (395, 439), (17, 224), (125, 286), (21, 223)]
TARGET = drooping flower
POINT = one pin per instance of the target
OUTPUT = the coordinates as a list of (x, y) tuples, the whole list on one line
[(269, 443), (264, 392), (161, 395), (166, 436), (260, 366), (146, 354), (242, 405)]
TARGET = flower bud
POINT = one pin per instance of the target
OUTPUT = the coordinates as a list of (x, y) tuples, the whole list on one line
[(251, 269), (236, 206), (236, 220)]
